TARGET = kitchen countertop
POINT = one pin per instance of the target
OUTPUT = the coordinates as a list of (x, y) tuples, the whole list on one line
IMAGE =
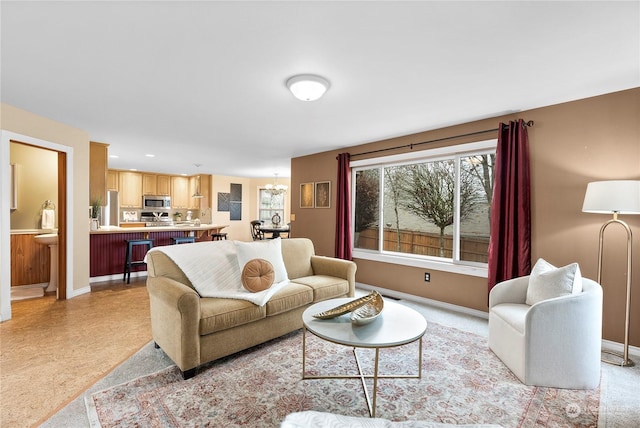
[(151, 229)]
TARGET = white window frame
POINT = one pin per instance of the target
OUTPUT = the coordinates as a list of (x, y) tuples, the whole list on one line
[(414, 260), (282, 211)]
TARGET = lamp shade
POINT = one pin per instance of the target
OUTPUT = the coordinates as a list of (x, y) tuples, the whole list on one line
[(307, 87), (606, 197)]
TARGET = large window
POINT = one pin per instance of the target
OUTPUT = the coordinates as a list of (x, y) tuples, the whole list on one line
[(431, 206), (270, 204)]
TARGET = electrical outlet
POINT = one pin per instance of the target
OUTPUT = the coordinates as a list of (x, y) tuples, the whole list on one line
[(427, 277)]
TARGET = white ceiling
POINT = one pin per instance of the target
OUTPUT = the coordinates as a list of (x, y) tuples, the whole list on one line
[(204, 82)]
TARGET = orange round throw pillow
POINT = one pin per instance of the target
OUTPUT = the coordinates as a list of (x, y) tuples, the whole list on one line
[(257, 275)]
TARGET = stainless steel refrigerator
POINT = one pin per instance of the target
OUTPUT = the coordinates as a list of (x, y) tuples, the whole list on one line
[(111, 211)]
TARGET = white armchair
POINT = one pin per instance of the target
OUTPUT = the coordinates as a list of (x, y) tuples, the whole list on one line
[(555, 342)]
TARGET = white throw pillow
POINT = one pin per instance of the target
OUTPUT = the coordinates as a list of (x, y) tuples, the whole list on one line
[(547, 281), (270, 250)]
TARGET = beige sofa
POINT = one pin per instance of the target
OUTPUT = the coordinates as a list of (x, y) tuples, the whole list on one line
[(193, 330)]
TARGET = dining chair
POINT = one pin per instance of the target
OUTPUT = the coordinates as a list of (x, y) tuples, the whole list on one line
[(288, 233), (256, 233)]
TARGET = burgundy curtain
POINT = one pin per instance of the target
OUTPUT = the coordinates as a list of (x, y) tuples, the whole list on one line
[(343, 208), (510, 242)]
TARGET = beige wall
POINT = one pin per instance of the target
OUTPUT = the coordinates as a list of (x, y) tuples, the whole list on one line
[(239, 230), (37, 181), (571, 144), (77, 141)]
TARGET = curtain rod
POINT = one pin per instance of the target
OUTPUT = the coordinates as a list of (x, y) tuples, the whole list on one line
[(437, 140)]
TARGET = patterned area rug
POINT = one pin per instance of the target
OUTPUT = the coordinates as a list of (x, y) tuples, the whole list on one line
[(463, 382)]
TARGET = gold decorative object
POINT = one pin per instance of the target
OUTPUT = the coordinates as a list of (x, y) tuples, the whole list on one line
[(351, 306), (368, 312)]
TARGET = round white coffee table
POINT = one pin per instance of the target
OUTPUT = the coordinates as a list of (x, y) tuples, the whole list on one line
[(397, 325)]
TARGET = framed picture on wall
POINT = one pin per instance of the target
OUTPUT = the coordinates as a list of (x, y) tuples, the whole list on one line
[(223, 201), (323, 194), (306, 195)]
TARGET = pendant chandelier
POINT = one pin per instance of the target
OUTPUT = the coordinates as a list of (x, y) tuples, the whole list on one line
[(275, 188)]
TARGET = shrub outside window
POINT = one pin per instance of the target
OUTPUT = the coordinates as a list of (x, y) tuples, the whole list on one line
[(432, 205)]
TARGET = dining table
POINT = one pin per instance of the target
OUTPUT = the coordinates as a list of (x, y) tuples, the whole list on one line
[(275, 230)]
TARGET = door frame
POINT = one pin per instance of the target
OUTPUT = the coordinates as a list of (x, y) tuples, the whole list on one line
[(65, 218)]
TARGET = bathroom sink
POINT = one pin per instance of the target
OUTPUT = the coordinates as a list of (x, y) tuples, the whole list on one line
[(51, 239), (47, 238)]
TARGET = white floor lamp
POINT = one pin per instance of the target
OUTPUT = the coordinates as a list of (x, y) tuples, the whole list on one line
[(615, 197)]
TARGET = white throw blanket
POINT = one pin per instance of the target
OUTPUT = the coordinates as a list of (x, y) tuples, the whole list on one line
[(212, 267)]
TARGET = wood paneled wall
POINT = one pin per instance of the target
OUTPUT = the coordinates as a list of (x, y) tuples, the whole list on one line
[(29, 260)]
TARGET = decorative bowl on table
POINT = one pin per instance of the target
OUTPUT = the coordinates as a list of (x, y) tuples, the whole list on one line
[(373, 302), (368, 312)]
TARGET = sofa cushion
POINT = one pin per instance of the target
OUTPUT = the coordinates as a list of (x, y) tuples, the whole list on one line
[(296, 254), (547, 281), (513, 314), (325, 287), (270, 250), (257, 275), (221, 314), (290, 297)]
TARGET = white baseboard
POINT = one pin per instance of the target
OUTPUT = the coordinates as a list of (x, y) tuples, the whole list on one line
[(619, 347), (116, 277), (418, 299), (78, 292)]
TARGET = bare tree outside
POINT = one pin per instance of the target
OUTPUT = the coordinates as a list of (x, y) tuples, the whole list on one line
[(394, 179), (366, 199), (430, 190), (481, 167)]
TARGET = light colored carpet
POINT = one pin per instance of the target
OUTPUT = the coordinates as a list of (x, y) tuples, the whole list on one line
[(463, 383), (619, 402)]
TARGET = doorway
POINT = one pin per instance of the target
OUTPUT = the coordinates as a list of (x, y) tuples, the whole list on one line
[(64, 156)]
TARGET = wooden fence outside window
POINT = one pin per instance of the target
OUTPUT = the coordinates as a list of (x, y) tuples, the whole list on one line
[(472, 249)]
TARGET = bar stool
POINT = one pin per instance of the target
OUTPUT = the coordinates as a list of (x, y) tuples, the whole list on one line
[(128, 257), (184, 240), (218, 236)]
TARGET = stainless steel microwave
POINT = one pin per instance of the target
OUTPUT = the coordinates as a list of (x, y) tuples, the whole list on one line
[(156, 203)]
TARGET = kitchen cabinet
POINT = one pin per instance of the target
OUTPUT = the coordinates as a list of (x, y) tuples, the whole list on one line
[(163, 185), (112, 180), (98, 171), (180, 197), (156, 184), (130, 188), (149, 184)]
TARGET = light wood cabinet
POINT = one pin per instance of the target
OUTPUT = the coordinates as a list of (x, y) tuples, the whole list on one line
[(130, 186), (112, 180), (149, 184), (98, 172), (163, 185), (180, 197), (155, 184)]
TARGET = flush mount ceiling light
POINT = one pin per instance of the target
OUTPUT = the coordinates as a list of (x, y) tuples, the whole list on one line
[(307, 87)]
